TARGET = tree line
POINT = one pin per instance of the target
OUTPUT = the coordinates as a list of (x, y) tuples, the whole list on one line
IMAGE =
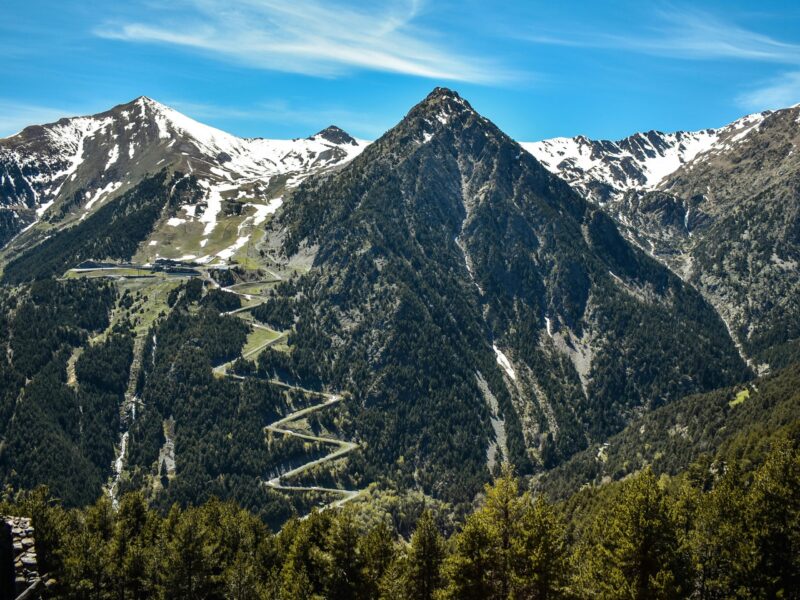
[(728, 532)]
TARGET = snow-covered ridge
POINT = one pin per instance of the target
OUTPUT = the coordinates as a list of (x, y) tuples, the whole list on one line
[(254, 157), (85, 161), (35, 178), (604, 170)]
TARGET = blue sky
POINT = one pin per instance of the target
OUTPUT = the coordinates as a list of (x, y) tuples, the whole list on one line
[(287, 69)]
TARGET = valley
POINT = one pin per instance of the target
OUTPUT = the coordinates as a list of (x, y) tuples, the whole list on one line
[(267, 245), (399, 300), (331, 327)]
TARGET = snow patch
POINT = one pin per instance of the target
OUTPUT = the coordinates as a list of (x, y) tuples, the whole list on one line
[(43, 208), (747, 124), (68, 140), (228, 252), (214, 205), (108, 189), (262, 211), (503, 361), (113, 155)]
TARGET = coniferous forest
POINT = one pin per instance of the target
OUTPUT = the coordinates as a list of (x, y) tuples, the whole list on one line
[(732, 532)]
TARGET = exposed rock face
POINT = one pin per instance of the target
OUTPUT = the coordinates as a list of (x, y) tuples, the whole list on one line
[(604, 170), (336, 136), (745, 257)]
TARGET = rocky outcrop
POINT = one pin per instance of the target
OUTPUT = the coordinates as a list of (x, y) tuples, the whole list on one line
[(22, 580)]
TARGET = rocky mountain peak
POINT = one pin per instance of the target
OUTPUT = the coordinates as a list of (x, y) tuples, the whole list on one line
[(335, 135), (442, 116), (444, 93), (447, 223), (441, 105)]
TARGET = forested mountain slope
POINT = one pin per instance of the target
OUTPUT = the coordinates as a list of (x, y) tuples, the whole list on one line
[(480, 309), (471, 307), (55, 431), (720, 207), (731, 423), (703, 534)]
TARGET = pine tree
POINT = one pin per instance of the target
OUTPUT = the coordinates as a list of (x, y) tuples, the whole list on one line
[(184, 571), (392, 585), (467, 567), (634, 553), (500, 516), (306, 564), (84, 556), (241, 578), (128, 548), (512, 547), (377, 552), (774, 514), (425, 555), (721, 541), (480, 565), (540, 554), (345, 577)]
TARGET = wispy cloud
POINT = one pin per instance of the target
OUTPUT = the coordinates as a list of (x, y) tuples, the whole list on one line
[(686, 33), (311, 37), (15, 116), (776, 93)]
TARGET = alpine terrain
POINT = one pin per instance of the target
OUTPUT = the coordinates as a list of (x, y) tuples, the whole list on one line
[(719, 207), (254, 368), (56, 174)]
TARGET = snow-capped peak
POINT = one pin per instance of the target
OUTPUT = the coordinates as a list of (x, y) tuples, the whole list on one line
[(604, 170), (254, 157), (97, 157), (170, 121)]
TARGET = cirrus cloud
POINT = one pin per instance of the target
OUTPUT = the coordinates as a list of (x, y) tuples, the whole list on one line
[(682, 32), (307, 37), (779, 92)]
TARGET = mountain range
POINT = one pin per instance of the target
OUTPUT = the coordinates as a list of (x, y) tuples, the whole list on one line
[(718, 207), (472, 301), (58, 173)]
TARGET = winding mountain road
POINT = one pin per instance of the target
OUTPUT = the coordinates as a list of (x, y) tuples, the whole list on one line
[(342, 448)]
